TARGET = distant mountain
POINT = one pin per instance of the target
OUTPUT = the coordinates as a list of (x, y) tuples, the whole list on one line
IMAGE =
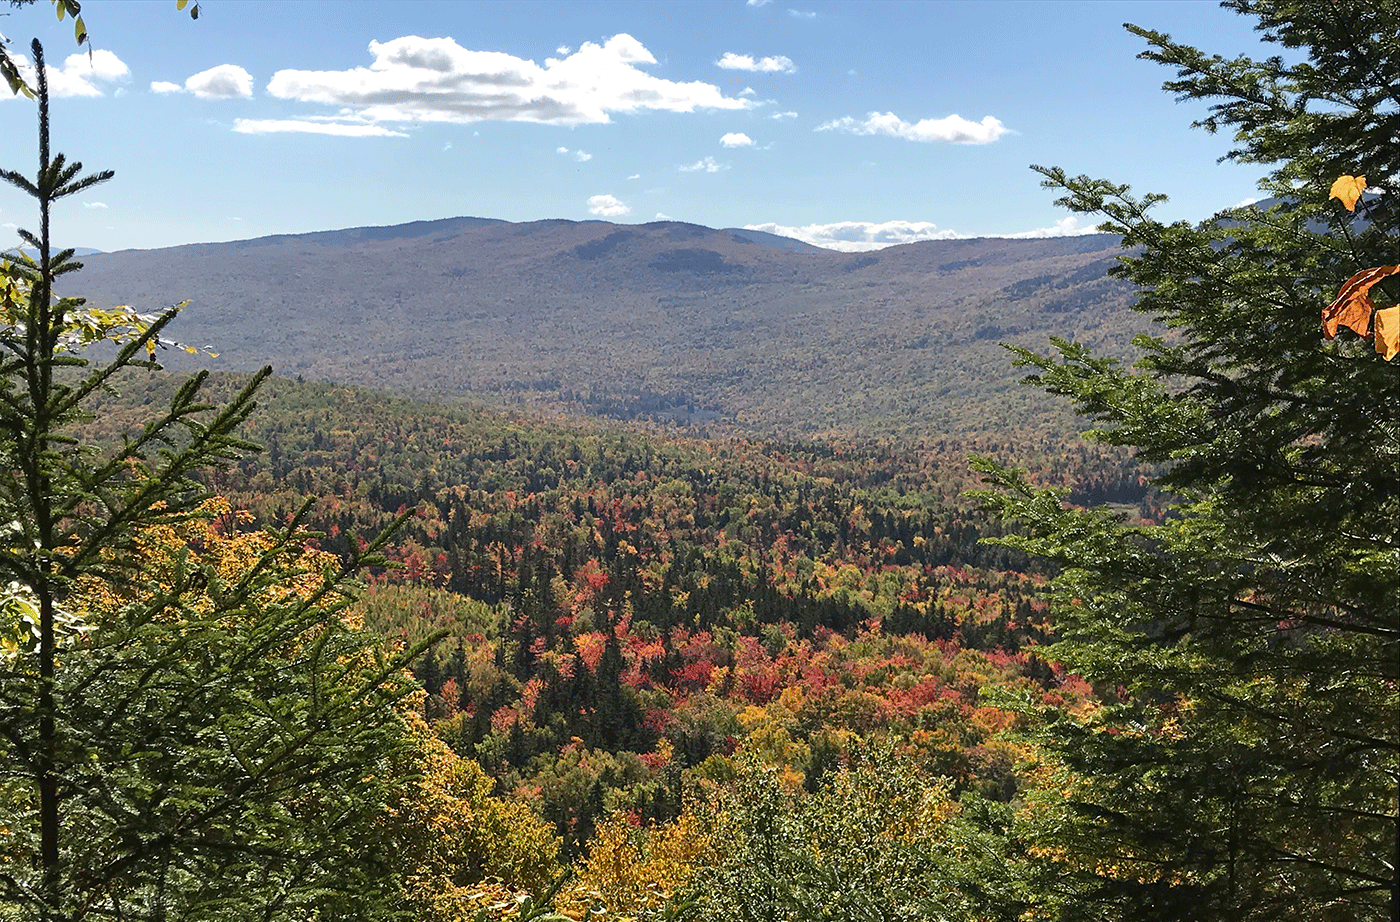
[(1359, 220), (669, 321), (77, 251), (775, 240), (353, 235)]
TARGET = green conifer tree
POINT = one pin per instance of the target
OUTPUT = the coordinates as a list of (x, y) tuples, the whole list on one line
[(1245, 766), (190, 726)]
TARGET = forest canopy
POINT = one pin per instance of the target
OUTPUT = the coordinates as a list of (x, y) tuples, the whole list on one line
[(290, 650)]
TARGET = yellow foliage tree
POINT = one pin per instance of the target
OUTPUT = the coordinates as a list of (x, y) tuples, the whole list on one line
[(462, 850), (631, 871)]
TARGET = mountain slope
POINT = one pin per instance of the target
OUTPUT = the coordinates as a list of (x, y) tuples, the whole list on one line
[(669, 320), (775, 240)]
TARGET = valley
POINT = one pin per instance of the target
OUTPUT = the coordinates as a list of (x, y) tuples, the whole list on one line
[(473, 570), (672, 508)]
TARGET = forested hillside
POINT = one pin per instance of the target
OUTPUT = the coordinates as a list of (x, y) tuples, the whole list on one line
[(620, 608), (629, 621), (673, 323)]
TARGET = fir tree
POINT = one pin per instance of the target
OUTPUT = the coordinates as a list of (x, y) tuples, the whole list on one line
[(191, 725), (1246, 764)]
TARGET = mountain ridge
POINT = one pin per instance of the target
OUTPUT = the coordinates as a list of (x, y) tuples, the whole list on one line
[(667, 320)]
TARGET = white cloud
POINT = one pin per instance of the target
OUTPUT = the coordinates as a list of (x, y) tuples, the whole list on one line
[(565, 50), (1065, 227), (736, 139), (582, 156), (663, 216), (94, 204), (748, 91), (635, 176), (802, 14), (859, 236), (607, 206), (782, 115), (415, 79), (79, 74), (775, 64), (704, 165), (227, 81), (759, 2), (954, 128), (308, 126)]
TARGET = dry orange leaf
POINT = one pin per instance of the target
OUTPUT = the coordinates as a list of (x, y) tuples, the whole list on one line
[(1388, 332), (1353, 305), (1348, 189)]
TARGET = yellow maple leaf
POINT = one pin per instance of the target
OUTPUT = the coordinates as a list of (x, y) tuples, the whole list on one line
[(1388, 332), (1348, 189), (1353, 305)]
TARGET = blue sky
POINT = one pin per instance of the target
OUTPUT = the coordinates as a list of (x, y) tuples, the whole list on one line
[(852, 125)]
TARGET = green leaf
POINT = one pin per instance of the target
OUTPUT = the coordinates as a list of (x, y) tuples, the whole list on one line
[(12, 77)]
